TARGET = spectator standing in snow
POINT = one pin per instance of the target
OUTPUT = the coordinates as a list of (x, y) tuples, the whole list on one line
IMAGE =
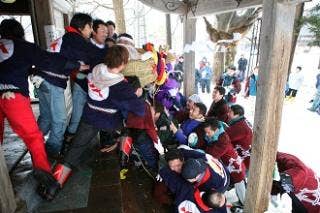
[(295, 81)]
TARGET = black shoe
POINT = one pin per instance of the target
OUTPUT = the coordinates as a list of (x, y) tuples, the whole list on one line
[(48, 186)]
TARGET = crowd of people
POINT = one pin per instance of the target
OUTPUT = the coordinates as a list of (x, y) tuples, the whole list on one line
[(206, 151)]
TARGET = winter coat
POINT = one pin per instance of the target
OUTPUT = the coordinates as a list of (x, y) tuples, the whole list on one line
[(185, 130), (205, 73), (305, 181), (295, 80), (219, 110), (17, 57), (240, 134), (222, 149), (251, 85), (242, 64)]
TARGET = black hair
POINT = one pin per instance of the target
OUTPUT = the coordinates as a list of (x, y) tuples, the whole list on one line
[(174, 154), (125, 35), (232, 68), (134, 81), (212, 199), (213, 123), (298, 67), (80, 20), (202, 108), (221, 90), (11, 28), (111, 23), (96, 23), (237, 109), (110, 39)]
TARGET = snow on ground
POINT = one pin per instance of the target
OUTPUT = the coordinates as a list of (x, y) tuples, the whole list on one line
[(300, 128)]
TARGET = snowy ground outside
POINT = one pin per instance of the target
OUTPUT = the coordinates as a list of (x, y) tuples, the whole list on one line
[(300, 128)]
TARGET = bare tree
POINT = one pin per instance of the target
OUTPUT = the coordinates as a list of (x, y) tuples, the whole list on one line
[(227, 25)]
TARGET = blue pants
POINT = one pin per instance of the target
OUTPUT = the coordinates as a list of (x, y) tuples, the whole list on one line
[(316, 101), (79, 99), (144, 146), (53, 115)]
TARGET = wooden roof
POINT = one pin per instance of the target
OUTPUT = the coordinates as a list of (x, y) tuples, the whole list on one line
[(203, 7)]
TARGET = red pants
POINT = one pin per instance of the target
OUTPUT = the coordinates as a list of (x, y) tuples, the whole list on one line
[(22, 121)]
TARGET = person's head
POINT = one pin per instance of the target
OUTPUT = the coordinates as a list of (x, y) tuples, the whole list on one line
[(125, 38), (236, 111), (198, 111), (195, 98), (193, 170), (218, 93), (82, 23), (175, 160), (298, 69), (202, 64), (100, 31), (256, 70), (241, 56), (135, 83), (117, 58), (111, 28), (110, 42), (181, 59), (11, 29), (231, 71), (211, 126), (213, 199)]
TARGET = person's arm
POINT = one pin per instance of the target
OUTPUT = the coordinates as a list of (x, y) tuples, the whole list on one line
[(53, 62), (218, 148), (179, 134)]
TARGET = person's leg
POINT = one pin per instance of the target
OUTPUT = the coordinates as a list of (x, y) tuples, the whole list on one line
[(288, 92), (145, 147), (208, 84), (44, 118), (240, 190), (59, 120), (21, 119), (81, 141), (294, 93), (316, 101), (79, 99), (203, 85)]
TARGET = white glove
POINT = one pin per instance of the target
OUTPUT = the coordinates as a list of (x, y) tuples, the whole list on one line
[(159, 178), (159, 147), (8, 95)]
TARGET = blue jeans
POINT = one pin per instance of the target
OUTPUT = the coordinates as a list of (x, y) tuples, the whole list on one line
[(316, 101), (79, 99), (53, 115)]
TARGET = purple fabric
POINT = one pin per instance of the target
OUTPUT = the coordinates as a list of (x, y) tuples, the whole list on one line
[(186, 128)]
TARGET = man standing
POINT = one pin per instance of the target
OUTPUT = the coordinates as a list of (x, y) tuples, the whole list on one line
[(205, 74), (242, 66), (295, 81)]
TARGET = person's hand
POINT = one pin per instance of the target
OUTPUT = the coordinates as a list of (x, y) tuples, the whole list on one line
[(159, 178), (139, 92), (173, 128), (158, 146)]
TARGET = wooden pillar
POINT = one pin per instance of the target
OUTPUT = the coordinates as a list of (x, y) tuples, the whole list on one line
[(276, 40), (43, 17), (168, 31), (7, 200), (119, 14), (189, 35)]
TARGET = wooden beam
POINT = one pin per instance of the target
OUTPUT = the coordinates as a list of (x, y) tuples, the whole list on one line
[(204, 7), (168, 31), (276, 41), (7, 200), (189, 36), (43, 15)]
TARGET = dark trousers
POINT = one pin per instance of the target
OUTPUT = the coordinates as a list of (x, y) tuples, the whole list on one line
[(82, 140), (205, 84), (292, 92), (144, 145)]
